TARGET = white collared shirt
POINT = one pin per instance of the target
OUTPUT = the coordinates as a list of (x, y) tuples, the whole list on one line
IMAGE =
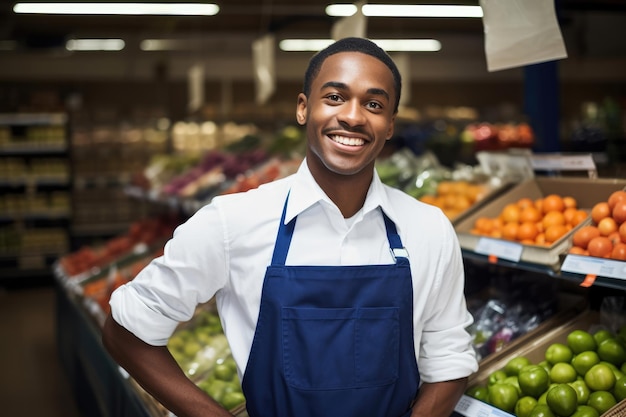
[(223, 251)]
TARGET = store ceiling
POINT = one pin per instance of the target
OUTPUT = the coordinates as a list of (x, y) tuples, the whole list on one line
[(248, 19)]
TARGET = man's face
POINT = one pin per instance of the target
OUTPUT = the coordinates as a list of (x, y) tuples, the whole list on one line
[(349, 114)]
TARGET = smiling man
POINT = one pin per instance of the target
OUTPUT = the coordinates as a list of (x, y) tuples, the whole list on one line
[(339, 296)]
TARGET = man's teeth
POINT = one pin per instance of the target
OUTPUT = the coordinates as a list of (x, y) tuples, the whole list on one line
[(347, 141)]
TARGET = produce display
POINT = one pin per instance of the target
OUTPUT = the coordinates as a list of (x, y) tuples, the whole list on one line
[(202, 351), (455, 197), (238, 166), (582, 376), (100, 287), (605, 236), (542, 221), (148, 232), (454, 191), (489, 136)]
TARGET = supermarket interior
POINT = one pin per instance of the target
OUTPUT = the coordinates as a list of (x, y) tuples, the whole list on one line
[(116, 128)]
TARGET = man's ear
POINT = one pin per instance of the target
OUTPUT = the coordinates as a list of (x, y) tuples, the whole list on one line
[(392, 124), (301, 109)]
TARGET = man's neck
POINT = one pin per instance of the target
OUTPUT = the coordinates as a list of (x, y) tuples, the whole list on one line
[(348, 192)]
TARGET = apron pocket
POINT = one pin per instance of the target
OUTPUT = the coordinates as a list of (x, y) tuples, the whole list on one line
[(340, 348)]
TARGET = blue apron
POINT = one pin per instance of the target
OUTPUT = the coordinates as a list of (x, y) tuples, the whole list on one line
[(333, 340)]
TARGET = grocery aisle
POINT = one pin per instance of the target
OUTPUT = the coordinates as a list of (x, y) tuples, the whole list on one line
[(32, 380)]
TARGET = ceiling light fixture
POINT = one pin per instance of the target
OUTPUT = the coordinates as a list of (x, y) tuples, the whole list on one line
[(389, 45), (95, 45), (405, 10), (179, 9), (341, 10)]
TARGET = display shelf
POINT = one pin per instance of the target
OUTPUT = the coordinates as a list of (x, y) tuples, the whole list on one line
[(35, 149), (583, 279), (100, 386), (35, 181)]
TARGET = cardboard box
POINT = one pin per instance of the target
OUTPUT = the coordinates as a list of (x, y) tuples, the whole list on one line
[(586, 191)]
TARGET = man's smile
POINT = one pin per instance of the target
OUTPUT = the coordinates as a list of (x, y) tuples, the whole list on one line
[(348, 141)]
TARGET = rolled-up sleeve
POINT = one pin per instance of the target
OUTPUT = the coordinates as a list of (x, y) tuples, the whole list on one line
[(446, 351), (168, 290)]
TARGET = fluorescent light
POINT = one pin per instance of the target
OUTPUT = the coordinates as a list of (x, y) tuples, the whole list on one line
[(94, 45), (341, 10), (294, 45), (421, 10), (187, 9), (389, 45), (406, 10)]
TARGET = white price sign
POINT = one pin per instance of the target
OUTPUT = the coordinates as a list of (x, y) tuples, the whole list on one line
[(589, 265), (563, 162), (500, 248), (471, 407)]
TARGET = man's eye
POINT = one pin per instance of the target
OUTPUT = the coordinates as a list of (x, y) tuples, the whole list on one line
[(374, 105), (334, 97)]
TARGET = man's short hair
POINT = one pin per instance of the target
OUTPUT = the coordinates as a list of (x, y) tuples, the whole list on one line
[(361, 45)]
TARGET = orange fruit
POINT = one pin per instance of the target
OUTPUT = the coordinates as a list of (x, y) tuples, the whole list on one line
[(599, 211), (484, 224), (583, 236), (577, 250), (530, 214), (607, 226), (569, 214), (570, 202), (551, 218), (554, 232), (553, 202), (540, 239), (600, 247), (525, 202), (509, 231), (616, 197), (511, 213), (579, 216), (428, 199), (527, 231)]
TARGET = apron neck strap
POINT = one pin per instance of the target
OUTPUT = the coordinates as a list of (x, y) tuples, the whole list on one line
[(283, 239)]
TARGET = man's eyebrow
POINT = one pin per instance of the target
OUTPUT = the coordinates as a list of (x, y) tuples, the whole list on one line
[(342, 86)]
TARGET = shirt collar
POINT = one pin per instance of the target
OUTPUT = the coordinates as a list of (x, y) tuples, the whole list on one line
[(305, 192)]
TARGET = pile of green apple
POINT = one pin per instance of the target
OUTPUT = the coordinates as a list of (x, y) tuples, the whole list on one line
[(584, 377), (202, 351)]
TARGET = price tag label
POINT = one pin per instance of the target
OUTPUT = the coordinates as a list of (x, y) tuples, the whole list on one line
[(563, 162), (508, 166), (500, 248), (471, 407), (588, 265)]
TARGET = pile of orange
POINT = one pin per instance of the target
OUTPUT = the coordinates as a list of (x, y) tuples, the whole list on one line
[(605, 236), (542, 221), (454, 197)]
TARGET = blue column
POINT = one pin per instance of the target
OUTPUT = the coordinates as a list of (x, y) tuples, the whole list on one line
[(542, 105)]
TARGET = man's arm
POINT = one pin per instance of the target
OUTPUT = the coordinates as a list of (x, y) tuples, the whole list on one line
[(154, 368), (438, 399)]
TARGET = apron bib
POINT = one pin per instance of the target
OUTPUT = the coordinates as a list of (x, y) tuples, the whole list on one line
[(333, 340)]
